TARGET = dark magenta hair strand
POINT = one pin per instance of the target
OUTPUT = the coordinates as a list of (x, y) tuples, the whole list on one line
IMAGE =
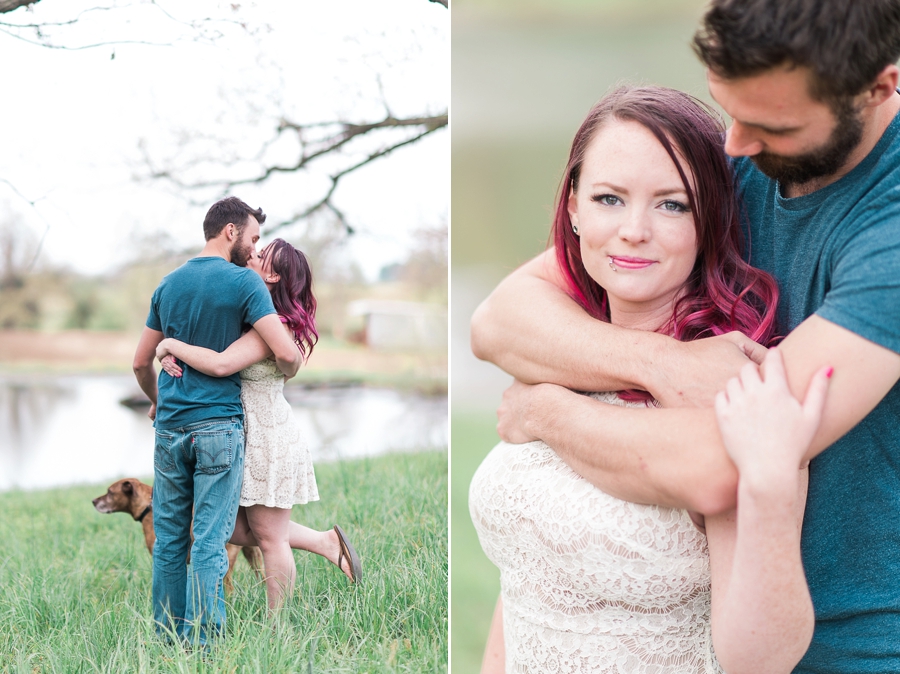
[(292, 295), (723, 292)]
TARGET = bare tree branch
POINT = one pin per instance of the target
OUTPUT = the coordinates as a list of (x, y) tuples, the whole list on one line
[(316, 141), (338, 135), (201, 30), (84, 46), (69, 22), (325, 202)]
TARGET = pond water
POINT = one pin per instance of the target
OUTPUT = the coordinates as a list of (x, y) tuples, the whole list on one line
[(73, 430)]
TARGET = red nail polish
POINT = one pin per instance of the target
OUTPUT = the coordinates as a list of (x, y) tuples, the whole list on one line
[(829, 372)]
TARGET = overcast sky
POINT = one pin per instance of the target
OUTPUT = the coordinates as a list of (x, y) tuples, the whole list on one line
[(73, 120)]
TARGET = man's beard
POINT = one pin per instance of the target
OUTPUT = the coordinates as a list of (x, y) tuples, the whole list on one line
[(240, 255), (823, 161)]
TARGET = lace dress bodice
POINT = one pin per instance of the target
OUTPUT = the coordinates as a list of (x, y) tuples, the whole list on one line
[(590, 583), (265, 371), (278, 469)]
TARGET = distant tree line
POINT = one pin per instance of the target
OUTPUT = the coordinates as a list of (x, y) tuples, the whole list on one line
[(38, 297)]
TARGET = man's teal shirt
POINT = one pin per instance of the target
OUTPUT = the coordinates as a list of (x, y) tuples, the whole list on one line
[(836, 253), (207, 302)]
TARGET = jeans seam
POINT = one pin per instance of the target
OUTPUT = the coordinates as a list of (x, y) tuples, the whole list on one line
[(200, 424)]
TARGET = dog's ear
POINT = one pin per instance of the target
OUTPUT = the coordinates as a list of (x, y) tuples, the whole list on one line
[(127, 487)]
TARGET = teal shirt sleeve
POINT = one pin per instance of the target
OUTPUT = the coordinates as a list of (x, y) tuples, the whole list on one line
[(153, 321), (864, 296), (256, 298)]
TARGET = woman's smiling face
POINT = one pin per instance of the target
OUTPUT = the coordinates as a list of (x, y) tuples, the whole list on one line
[(636, 230)]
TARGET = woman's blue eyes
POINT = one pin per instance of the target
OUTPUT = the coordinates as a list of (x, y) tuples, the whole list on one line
[(675, 206), (669, 205), (607, 199)]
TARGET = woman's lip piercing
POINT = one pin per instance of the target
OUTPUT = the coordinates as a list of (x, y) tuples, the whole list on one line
[(612, 265)]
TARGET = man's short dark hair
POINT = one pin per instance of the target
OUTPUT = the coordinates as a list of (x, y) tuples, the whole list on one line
[(229, 209), (844, 43)]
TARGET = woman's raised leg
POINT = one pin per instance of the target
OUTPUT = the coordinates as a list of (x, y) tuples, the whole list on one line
[(323, 543)]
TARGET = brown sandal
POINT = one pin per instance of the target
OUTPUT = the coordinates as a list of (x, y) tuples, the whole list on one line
[(349, 552)]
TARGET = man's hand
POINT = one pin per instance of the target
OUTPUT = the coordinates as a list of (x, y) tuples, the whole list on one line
[(692, 374), (515, 410), (152, 412)]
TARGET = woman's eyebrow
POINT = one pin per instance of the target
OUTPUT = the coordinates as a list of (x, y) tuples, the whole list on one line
[(609, 186), (670, 191)]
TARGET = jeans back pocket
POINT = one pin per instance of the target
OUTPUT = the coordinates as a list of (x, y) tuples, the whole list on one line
[(162, 451), (214, 448)]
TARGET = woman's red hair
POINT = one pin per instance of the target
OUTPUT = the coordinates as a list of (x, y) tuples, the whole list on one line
[(293, 295), (723, 292)]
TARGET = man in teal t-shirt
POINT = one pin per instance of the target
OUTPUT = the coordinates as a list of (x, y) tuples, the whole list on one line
[(199, 453), (811, 89)]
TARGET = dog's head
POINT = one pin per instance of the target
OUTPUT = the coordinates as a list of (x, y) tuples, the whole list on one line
[(120, 496)]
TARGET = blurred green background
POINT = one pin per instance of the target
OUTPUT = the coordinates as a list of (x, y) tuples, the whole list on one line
[(524, 75)]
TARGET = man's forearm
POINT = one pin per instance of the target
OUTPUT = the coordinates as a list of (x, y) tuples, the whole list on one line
[(143, 361), (549, 338), (533, 330), (669, 457), (146, 379)]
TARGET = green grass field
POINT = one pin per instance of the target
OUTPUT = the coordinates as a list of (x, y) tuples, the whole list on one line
[(475, 581), (75, 584)]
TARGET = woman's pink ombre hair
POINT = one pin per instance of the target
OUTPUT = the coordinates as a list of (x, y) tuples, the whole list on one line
[(724, 293), (292, 295)]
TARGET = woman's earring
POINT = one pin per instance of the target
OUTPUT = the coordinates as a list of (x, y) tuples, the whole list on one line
[(575, 229)]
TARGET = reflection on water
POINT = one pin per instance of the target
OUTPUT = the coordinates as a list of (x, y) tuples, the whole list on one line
[(71, 430)]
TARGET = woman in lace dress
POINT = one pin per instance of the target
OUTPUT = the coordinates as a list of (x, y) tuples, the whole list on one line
[(278, 470), (647, 236)]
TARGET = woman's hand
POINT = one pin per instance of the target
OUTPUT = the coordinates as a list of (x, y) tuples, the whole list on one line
[(170, 365), (765, 429)]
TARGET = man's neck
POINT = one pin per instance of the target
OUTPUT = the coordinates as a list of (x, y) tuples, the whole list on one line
[(874, 128), (216, 248)]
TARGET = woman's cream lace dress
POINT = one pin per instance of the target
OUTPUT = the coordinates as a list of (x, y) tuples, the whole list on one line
[(590, 583), (278, 470)]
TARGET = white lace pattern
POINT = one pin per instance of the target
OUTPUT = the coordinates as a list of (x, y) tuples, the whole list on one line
[(278, 470), (590, 583)]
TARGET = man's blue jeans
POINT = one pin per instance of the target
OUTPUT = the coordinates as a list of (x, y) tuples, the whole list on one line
[(199, 467)]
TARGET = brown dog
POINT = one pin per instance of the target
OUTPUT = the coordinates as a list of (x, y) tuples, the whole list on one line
[(134, 497)]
